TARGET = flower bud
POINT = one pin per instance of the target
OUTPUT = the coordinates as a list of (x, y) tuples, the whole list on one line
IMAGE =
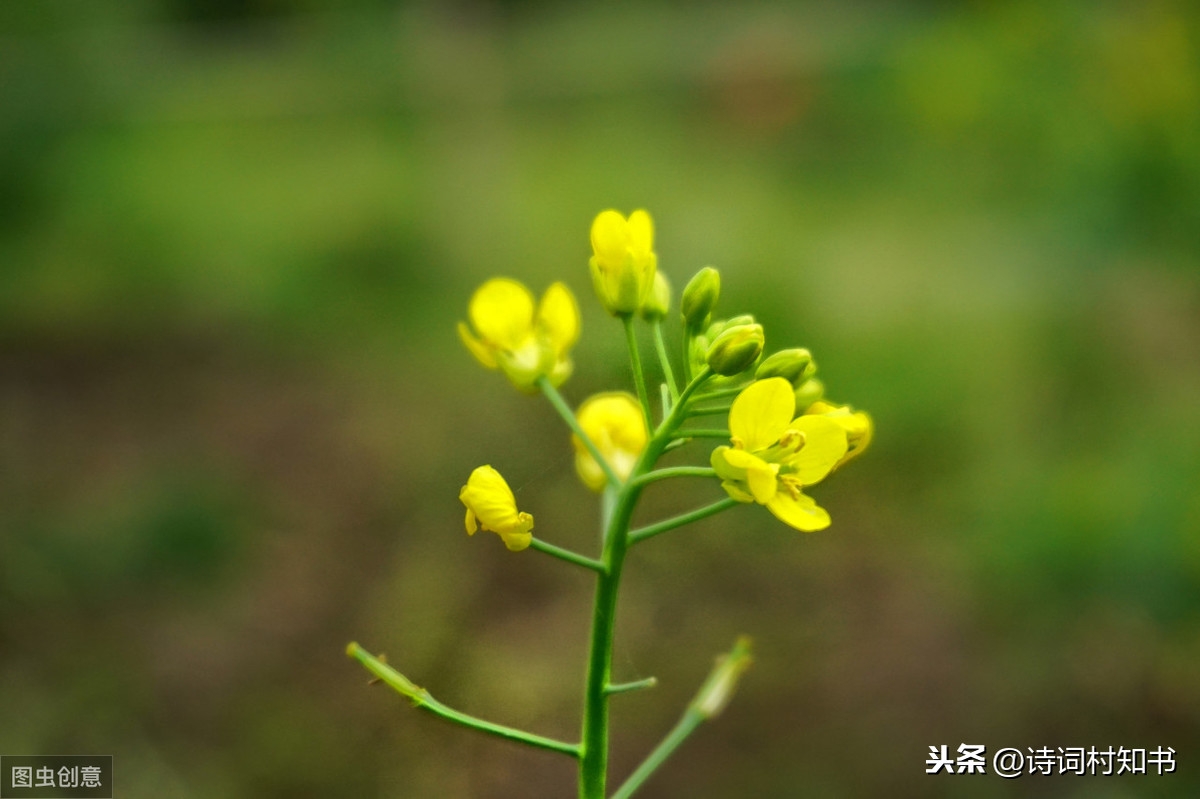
[(658, 300), (736, 349), (717, 327), (807, 393), (623, 261), (700, 297), (794, 366)]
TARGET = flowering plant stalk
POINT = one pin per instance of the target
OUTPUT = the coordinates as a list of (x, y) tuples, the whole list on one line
[(782, 438)]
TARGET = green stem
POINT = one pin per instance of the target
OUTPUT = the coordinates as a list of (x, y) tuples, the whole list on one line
[(661, 345), (650, 530), (676, 471), (721, 393), (636, 685), (703, 433), (567, 555), (689, 335), (564, 410), (709, 701), (593, 760), (709, 411), (635, 359), (421, 698)]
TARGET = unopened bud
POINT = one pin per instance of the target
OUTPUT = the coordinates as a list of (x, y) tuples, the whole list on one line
[(700, 297), (807, 393), (792, 365), (736, 349), (720, 325)]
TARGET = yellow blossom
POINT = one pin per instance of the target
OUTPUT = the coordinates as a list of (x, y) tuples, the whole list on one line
[(491, 505), (616, 425), (623, 261), (774, 455), (509, 334), (857, 424)]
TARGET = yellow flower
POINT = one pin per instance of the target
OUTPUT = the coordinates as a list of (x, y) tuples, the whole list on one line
[(616, 425), (506, 332), (774, 456), (491, 505), (857, 424), (623, 261)]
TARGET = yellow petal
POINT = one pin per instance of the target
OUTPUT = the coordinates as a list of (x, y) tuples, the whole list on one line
[(517, 541), (610, 238), (741, 459), (501, 311), (803, 513), (470, 522), (761, 413), (519, 537), (762, 481), (824, 446), (589, 471), (489, 498), (476, 347), (641, 233), (724, 469), (736, 491), (558, 317)]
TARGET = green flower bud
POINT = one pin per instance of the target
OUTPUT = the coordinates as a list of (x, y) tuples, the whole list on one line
[(716, 328), (792, 365), (657, 301), (700, 297), (807, 393), (736, 349)]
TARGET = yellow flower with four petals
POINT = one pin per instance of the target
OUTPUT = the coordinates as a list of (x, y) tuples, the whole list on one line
[(774, 456), (509, 334), (491, 505)]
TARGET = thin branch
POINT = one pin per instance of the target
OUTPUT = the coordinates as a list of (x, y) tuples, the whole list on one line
[(642, 533), (567, 555), (661, 345), (568, 416), (702, 433), (708, 411), (636, 685), (635, 360), (709, 701), (675, 471), (421, 698)]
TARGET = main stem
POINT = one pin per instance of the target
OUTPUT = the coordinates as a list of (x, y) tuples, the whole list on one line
[(593, 759)]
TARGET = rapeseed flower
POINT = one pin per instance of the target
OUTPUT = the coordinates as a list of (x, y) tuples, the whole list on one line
[(491, 505), (509, 334), (623, 261), (616, 425), (774, 456)]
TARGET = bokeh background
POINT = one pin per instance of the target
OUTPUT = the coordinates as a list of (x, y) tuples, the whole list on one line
[(235, 237)]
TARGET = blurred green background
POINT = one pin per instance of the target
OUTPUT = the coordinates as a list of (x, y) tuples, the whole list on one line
[(235, 237)]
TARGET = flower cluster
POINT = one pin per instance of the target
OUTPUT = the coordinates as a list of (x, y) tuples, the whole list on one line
[(784, 436)]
